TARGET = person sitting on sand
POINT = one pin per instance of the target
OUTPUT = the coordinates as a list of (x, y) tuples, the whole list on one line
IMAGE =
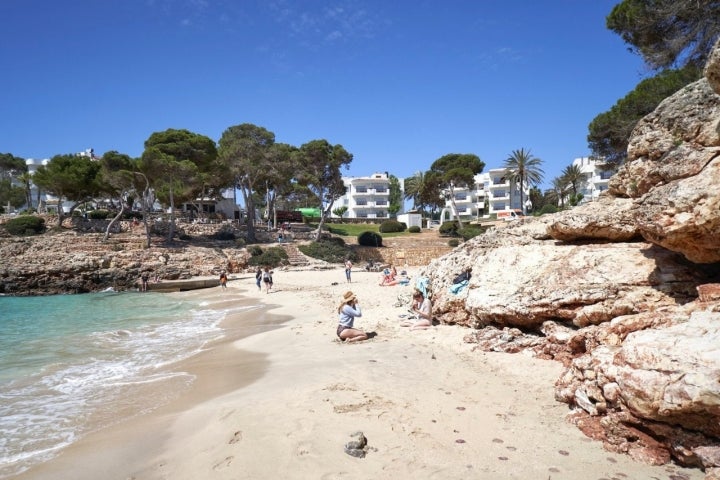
[(347, 311), (422, 307), (388, 276)]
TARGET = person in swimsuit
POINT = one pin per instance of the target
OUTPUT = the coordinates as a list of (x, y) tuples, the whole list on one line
[(347, 311)]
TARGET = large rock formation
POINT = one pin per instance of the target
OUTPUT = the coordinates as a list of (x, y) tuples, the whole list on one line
[(611, 289)]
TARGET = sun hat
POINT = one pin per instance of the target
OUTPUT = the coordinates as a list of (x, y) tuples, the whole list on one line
[(348, 297)]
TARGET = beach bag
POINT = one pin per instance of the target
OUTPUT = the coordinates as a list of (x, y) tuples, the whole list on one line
[(462, 277)]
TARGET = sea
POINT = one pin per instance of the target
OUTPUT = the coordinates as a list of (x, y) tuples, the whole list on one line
[(73, 364)]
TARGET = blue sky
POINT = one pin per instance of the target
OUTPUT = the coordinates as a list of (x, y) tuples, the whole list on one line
[(397, 83)]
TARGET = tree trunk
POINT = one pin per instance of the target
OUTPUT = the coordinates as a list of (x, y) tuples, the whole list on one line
[(171, 230), (112, 222), (250, 205)]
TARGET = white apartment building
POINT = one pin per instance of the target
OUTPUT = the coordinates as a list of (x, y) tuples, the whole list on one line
[(596, 179), (366, 197), (491, 193)]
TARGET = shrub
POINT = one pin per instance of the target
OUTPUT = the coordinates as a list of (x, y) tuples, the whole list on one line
[(453, 242), (549, 208), (255, 250), (470, 232), (98, 214), (329, 251), (390, 226), (25, 225), (370, 239), (129, 215), (414, 229), (449, 228), (272, 257), (223, 235)]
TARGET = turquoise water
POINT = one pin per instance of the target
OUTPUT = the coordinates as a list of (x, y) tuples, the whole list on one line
[(69, 362)]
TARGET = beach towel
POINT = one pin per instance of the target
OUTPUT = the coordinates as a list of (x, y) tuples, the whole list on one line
[(458, 287), (422, 284)]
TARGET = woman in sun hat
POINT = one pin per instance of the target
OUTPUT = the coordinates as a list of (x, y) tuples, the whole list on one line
[(347, 311)]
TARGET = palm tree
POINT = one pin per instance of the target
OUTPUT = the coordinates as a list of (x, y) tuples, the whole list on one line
[(560, 190), (573, 175), (414, 187), (523, 169)]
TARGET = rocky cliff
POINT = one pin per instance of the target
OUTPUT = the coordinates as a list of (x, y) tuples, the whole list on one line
[(623, 290)]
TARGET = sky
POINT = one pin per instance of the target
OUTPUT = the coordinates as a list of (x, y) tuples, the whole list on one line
[(397, 83)]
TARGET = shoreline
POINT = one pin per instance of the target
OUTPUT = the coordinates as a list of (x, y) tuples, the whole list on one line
[(279, 396)]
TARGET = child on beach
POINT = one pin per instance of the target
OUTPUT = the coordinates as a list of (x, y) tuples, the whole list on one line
[(223, 279), (267, 279), (258, 278), (348, 269), (347, 311)]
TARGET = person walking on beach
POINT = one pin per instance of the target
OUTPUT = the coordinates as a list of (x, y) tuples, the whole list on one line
[(422, 307), (348, 269), (258, 278), (347, 311), (223, 279), (144, 279), (267, 279)]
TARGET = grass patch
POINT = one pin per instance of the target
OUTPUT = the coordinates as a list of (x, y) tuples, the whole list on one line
[(355, 229)]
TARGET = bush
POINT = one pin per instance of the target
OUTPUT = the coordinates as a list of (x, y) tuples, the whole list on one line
[(329, 250), (25, 225), (272, 257), (390, 226), (370, 239), (255, 250), (449, 228), (453, 242), (129, 215), (223, 235), (470, 232), (549, 208), (98, 214), (414, 229)]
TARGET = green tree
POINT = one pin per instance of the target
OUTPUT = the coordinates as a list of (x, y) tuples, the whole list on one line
[(69, 177), (454, 170), (117, 180), (11, 166), (395, 196), (668, 33), (279, 175), (610, 131), (26, 179), (413, 188), (340, 211), (245, 150), (321, 163), (523, 169), (11, 194), (574, 176), (176, 163), (559, 192)]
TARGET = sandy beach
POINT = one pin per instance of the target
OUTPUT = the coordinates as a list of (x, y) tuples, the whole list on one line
[(280, 396)]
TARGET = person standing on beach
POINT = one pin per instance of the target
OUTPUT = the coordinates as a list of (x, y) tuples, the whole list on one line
[(267, 279), (347, 311), (144, 279), (223, 279), (348, 269), (258, 278)]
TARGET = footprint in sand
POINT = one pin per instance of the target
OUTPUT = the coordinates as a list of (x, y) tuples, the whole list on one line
[(237, 436), (223, 463)]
